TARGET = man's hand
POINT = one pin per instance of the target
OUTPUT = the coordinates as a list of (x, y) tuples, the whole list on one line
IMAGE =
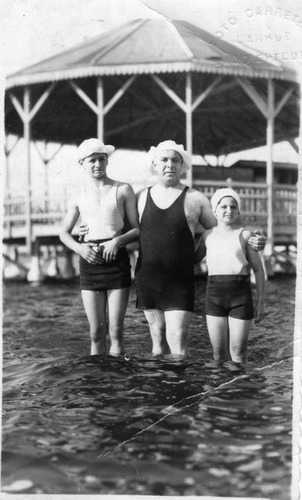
[(83, 230), (257, 241)]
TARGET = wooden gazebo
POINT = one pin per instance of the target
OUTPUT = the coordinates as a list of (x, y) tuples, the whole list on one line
[(151, 80)]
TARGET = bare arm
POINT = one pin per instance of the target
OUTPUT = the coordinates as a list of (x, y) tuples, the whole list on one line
[(132, 216), (68, 224), (200, 250), (84, 250), (254, 260), (141, 198), (207, 219), (112, 247)]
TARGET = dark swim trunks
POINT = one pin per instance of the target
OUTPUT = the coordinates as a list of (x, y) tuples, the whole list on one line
[(229, 295), (165, 267), (97, 277)]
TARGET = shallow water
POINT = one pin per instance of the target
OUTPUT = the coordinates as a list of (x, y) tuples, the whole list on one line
[(76, 424)]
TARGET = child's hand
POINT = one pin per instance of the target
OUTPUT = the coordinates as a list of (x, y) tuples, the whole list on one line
[(90, 254), (259, 312), (110, 249)]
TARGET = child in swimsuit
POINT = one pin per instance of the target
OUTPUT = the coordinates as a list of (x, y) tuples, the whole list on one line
[(229, 302)]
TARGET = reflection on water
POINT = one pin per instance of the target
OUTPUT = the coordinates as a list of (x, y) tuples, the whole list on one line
[(75, 424)]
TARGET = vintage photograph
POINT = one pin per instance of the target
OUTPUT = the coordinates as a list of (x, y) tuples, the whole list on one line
[(149, 148)]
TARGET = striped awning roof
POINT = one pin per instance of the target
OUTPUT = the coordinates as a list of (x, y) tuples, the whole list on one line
[(146, 46)]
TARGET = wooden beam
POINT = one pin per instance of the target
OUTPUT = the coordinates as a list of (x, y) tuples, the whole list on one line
[(100, 108), (84, 97), (224, 87), (8, 150), (283, 101), (293, 144), (41, 101), (143, 99), (118, 94), (17, 107), (253, 95), (50, 158), (134, 123), (205, 94), (170, 92), (139, 121)]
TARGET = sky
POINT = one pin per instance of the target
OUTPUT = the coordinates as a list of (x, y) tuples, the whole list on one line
[(32, 30)]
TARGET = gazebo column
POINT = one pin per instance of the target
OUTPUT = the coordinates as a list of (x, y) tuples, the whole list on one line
[(8, 151), (269, 110), (100, 105), (99, 108), (188, 107), (27, 137), (296, 413), (270, 167), (26, 113), (189, 125), (46, 159)]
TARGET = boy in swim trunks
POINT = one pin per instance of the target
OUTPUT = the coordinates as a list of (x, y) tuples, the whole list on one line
[(229, 302), (105, 276)]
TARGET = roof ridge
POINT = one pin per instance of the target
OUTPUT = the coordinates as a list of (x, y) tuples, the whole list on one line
[(78, 46), (139, 23), (181, 41)]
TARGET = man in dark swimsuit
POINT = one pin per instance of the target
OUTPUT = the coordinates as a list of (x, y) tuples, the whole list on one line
[(169, 216)]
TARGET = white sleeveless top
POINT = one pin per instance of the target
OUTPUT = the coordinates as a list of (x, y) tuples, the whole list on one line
[(225, 254), (101, 215)]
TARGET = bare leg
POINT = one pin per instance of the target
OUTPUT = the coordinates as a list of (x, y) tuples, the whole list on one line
[(95, 308), (117, 305), (219, 336), (239, 332), (157, 326), (177, 323)]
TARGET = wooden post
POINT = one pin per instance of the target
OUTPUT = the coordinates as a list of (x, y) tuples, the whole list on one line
[(7, 170), (296, 421), (8, 150), (189, 131), (26, 124), (100, 105), (46, 179), (270, 168)]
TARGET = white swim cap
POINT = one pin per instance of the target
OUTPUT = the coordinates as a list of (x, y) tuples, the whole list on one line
[(222, 193)]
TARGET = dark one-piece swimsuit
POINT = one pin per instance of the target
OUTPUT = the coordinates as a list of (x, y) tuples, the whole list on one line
[(165, 267)]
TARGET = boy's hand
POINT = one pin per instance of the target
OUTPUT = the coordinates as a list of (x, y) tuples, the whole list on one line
[(90, 254), (110, 249)]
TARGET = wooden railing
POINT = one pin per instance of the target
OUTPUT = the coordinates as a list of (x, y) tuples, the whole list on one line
[(44, 210), (254, 201), (49, 210)]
